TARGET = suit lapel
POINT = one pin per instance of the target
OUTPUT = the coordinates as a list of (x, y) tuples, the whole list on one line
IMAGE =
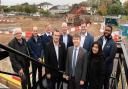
[(59, 50), (78, 56), (54, 52), (68, 39), (85, 40), (71, 54)]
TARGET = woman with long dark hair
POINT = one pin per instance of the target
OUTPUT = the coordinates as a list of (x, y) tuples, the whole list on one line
[(95, 67)]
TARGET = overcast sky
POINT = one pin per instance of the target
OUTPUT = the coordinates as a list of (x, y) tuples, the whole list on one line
[(54, 2)]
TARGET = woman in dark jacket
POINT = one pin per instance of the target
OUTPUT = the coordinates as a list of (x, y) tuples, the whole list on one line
[(95, 67)]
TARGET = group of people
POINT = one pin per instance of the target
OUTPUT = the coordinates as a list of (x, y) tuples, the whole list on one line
[(86, 63)]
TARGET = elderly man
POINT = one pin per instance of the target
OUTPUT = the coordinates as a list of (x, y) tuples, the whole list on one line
[(19, 63), (37, 52), (66, 38), (47, 36)]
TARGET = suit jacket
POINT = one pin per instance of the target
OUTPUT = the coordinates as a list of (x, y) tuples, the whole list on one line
[(46, 39), (51, 59), (69, 41), (81, 64), (88, 42)]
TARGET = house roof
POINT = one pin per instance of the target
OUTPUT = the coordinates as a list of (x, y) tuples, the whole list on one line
[(58, 7), (44, 3), (54, 8)]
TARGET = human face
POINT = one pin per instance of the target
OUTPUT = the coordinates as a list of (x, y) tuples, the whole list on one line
[(18, 35), (35, 31), (56, 37), (49, 29), (95, 49), (107, 31), (64, 29), (76, 41), (83, 28)]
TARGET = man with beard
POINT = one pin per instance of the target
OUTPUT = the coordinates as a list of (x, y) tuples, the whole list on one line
[(109, 50)]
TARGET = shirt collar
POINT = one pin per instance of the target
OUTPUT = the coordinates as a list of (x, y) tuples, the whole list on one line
[(77, 47), (55, 44), (85, 34), (48, 34), (104, 38)]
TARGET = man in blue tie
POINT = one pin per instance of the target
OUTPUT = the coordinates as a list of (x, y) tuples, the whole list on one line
[(76, 65)]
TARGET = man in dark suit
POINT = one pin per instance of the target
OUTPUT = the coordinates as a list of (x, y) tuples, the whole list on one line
[(76, 65), (47, 36), (36, 49), (19, 63), (66, 38), (109, 51), (55, 58), (86, 38)]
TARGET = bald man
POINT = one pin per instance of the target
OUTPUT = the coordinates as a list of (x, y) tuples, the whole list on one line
[(36, 49), (66, 38)]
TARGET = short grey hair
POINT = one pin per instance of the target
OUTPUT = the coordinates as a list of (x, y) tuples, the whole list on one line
[(64, 24), (17, 30)]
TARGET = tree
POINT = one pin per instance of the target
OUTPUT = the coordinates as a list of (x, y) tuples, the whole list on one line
[(6, 9), (125, 6), (114, 9), (33, 8), (102, 9), (44, 13)]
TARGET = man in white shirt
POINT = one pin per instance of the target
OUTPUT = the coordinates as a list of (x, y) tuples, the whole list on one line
[(66, 38), (55, 58), (86, 38)]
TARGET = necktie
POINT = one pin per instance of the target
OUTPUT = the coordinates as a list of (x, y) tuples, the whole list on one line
[(74, 62)]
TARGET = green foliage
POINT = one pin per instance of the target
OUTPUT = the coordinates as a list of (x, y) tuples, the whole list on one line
[(115, 9), (125, 6), (25, 7)]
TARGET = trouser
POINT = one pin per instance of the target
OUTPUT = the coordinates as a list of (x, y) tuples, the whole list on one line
[(55, 83), (36, 67), (106, 79), (73, 84), (25, 79)]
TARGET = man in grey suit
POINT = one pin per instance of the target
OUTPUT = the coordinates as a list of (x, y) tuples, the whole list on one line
[(76, 65)]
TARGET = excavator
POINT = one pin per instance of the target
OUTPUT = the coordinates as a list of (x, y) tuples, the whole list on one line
[(73, 17)]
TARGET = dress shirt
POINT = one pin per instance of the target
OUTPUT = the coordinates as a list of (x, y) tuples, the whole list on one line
[(65, 40), (104, 42), (83, 39), (57, 51)]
